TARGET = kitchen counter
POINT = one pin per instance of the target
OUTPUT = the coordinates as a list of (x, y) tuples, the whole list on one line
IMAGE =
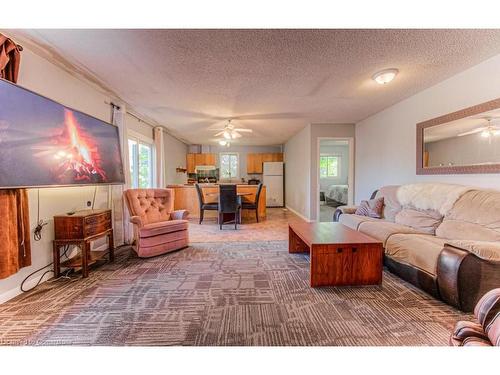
[(186, 198)]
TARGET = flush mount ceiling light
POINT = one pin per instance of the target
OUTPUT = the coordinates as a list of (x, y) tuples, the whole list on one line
[(385, 76)]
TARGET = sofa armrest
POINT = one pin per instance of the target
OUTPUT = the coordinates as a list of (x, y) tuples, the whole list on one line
[(463, 277), (343, 210), (179, 215), (136, 220)]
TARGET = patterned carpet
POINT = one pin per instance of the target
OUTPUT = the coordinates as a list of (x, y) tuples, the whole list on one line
[(246, 293)]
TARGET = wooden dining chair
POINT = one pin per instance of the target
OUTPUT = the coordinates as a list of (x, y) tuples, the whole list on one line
[(255, 204), (229, 203), (204, 206)]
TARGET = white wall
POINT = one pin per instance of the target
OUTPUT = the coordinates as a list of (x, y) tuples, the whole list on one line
[(320, 131), (297, 154), (386, 144)]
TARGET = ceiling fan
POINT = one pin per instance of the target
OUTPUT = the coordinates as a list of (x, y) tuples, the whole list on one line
[(487, 131), (229, 132)]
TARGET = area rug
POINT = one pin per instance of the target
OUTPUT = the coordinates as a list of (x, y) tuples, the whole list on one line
[(252, 293)]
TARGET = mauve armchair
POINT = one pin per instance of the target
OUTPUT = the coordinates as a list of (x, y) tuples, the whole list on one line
[(158, 229)]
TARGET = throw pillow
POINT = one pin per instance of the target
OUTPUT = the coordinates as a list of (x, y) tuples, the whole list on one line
[(371, 208)]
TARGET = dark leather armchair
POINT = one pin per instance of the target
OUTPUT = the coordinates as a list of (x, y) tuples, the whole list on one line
[(229, 203), (485, 330), (255, 204), (204, 206)]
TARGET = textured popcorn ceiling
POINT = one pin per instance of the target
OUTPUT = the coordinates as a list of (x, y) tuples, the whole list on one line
[(272, 81)]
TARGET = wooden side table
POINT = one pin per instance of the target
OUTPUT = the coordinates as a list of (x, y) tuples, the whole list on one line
[(80, 229)]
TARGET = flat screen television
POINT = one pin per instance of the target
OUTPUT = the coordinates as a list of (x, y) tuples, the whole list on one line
[(43, 143)]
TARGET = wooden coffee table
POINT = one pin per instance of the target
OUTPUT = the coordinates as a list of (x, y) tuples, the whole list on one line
[(339, 255)]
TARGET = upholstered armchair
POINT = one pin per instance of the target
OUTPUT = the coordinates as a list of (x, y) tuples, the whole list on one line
[(158, 229)]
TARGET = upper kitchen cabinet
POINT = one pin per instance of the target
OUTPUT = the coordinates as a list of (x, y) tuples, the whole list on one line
[(192, 160), (255, 161)]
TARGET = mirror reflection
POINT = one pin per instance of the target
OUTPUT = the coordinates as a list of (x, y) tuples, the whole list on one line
[(473, 140)]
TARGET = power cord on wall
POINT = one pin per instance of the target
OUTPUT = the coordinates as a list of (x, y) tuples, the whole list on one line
[(37, 233)]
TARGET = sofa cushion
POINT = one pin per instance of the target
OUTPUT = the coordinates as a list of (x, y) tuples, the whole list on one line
[(382, 230), (417, 250), (422, 220), (475, 216), (391, 203), (162, 227), (352, 221)]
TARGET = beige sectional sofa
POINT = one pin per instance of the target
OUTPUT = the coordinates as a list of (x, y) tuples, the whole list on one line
[(442, 238)]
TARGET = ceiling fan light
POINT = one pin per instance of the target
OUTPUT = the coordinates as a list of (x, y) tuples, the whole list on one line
[(485, 134), (222, 142), (226, 135), (385, 76)]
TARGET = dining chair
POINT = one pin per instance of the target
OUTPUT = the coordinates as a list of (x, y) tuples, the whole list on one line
[(229, 203), (213, 206), (255, 204)]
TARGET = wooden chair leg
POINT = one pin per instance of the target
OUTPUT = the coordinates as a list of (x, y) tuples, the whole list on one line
[(257, 215), (201, 215), (220, 221)]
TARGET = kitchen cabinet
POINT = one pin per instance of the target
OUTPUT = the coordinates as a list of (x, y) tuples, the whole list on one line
[(190, 163), (254, 161), (192, 160)]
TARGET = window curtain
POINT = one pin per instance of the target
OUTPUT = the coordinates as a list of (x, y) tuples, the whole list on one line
[(158, 135), (15, 245)]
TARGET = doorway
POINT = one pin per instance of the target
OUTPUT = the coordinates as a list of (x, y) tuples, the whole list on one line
[(335, 176)]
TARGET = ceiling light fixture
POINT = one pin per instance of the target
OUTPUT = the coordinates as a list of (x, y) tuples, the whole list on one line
[(222, 142), (385, 76)]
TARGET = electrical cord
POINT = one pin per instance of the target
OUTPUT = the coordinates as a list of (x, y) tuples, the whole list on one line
[(46, 272), (37, 233)]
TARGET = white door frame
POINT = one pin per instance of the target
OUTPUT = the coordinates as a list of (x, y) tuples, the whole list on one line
[(350, 177)]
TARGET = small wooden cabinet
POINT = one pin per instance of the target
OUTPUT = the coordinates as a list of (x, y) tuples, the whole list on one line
[(255, 161), (192, 160), (80, 229)]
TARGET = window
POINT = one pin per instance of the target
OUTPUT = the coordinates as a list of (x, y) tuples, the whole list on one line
[(329, 166), (140, 157), (228, 165)]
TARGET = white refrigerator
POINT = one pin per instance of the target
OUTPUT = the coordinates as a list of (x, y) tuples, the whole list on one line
[(273, 180)]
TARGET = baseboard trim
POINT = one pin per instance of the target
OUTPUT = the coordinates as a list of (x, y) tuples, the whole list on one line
[(298, 214)]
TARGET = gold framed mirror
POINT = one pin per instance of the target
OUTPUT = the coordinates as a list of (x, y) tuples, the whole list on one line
[(462, 142)]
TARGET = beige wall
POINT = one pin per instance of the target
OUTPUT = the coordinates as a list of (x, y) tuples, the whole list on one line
[(385, 142), (175, 156)]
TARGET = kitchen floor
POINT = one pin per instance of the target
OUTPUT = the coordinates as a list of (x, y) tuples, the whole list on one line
[(274, 228)]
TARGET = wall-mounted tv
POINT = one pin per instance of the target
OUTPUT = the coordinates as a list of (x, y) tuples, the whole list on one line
[(43, 143)]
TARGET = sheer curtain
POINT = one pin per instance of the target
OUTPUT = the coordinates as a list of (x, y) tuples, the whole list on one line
[(158, 135), (122, 227)]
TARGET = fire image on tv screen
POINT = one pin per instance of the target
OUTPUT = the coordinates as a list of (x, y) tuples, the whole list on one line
[(43, 143)]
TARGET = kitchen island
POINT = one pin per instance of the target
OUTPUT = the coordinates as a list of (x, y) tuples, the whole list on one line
[(186, 198)]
